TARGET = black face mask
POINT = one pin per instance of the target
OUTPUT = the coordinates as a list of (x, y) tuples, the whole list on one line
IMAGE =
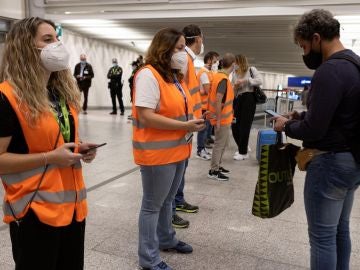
[(313, 59)]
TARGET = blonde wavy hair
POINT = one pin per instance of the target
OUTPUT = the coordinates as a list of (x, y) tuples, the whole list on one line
[(243, 64), (21, 67)]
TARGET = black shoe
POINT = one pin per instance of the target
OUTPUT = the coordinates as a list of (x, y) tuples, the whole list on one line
[(181, 247), (179, 222), (217, 175), (224, 171), (113, 112), (210, 140), (161, 266), (187, 208), (122, 113)]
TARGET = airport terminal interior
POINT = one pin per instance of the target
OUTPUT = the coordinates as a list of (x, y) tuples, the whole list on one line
[(223, 233)]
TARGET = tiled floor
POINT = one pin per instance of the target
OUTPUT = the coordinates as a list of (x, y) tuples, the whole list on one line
[(224, 234)]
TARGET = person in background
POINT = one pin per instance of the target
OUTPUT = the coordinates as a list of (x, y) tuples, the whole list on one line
[(40, 150), (204, 76), (194, 46), (304, 95), (115, 86), (161, 117), (84, 73), (330, 130), (220, 106), (243, 80)]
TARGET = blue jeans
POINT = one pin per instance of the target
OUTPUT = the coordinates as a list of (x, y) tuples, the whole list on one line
[(202, 135), (330, 183), (179, 197), (160, 184)]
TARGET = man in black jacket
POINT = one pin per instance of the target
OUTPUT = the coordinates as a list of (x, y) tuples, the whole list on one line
[(115, 86), (84, 73)]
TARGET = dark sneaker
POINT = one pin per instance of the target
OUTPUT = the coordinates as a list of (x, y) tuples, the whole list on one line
[(187, 208), (112, 112), (210, 140), (217, 175), (179, 222), (181, 247), (160, 266), (122, 113), (224, 171)]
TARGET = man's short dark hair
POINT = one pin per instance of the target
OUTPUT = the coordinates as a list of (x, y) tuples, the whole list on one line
[(190, 32), (228, 60), (210, 56), (317, 21)]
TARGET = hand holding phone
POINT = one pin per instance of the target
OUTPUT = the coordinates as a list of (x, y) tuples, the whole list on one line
[(91, 148)]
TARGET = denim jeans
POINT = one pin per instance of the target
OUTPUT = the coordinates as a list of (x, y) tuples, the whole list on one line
[(160, 184), (179, 197), (330, 183), (202, 135)]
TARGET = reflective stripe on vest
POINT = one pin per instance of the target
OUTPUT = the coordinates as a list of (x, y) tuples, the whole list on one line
[(194, 90), (68, 196), (138, 124), (158, 145), (15, 178)]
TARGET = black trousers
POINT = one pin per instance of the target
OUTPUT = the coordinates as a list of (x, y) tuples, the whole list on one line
[(36, 245), (244, 110), (86, 93), (117, 92)]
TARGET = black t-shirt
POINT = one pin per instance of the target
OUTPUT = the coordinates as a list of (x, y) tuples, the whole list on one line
[(10, 126)]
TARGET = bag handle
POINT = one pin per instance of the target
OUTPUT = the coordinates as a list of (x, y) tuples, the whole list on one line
[(279, 141)]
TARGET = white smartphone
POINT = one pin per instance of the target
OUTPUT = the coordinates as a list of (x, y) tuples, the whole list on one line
[(272, 113)]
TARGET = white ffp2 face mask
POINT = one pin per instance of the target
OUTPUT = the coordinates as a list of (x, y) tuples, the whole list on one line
[(179, 61), (215, 66), (55, 57)]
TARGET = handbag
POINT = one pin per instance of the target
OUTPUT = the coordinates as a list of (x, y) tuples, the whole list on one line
[(259, 94), (274, 190)]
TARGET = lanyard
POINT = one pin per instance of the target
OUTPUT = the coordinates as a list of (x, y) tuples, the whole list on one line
[(62, 113), (179, 87)]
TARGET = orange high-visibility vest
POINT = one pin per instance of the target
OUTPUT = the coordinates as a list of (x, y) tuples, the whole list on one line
[(160, 146), (226, 105), (204, 96), (194, 87), (62, 190)]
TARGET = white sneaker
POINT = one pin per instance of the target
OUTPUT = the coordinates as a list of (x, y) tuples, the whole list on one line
[(241, 157), (236, 153), (208, 152), (203, 155)]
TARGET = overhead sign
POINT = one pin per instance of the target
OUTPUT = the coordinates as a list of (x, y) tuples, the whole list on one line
[(299, 81)]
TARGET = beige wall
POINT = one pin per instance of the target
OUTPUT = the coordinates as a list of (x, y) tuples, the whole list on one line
[(14, 9)]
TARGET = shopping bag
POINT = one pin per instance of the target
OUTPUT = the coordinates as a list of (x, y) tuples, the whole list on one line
[(274, 190)]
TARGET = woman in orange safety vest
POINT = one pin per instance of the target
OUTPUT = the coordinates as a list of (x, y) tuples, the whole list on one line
[(162, 131), (45, 196)]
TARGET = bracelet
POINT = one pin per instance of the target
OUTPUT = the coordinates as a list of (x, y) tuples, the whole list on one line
[(45, 158)]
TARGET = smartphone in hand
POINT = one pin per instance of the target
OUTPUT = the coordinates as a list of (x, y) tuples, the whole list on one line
[(272, 113), (91, 148)]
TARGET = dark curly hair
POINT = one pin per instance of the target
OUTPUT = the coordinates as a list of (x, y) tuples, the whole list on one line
[(317, 21)]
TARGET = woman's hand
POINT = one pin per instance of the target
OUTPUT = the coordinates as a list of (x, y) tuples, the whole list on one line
[(195, 125), (63, 156), (87, 155)]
